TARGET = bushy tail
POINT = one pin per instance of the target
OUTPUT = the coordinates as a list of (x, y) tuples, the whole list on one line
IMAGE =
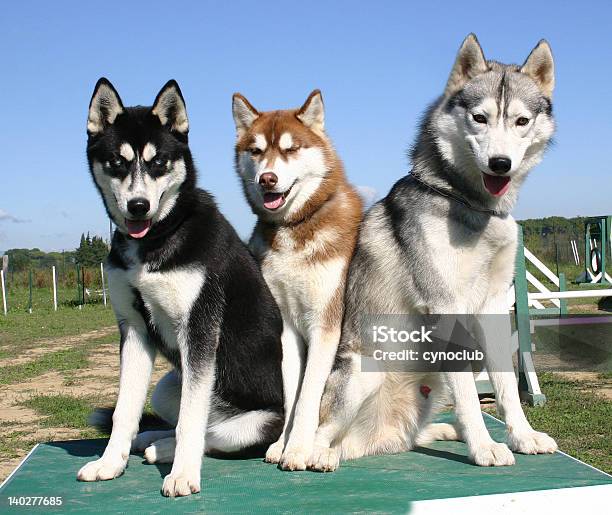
[(438, 431), (249, 432)]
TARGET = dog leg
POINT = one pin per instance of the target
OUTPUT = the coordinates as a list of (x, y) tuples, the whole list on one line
[(321, 353), (165, 401), (196, 391), (293, 370), (438, 432), (146, 438), (137, 358), (161, 450), (482, 449), (521, 436), (166, 398), (344, 396)]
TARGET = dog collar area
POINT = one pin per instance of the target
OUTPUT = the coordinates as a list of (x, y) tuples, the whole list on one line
[(456, 198)]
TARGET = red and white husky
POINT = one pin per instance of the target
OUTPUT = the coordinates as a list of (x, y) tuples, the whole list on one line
[(308, 219)]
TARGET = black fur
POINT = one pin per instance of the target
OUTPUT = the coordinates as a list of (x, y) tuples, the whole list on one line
[(234, 301)]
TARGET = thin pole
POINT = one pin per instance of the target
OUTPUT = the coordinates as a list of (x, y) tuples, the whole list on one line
[(3, 291), (83, 285), (102, 277), (575, 294), (30, 307), (78, 278), (54, 288)]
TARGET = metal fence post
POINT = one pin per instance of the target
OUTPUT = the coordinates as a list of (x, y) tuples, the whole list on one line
[(102, 278), (54, 288), (3, 291), (529, 387), (30, 304)]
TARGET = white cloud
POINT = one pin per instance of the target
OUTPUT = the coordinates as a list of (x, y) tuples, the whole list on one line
[(6, 216), (368, 194)]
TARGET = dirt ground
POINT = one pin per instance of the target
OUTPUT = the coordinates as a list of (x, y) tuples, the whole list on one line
[(21, 427), (99, 379)]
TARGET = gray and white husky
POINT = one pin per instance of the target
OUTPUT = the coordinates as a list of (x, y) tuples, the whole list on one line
[(443, 242)]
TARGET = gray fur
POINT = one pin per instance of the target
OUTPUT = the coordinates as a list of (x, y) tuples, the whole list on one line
[(409, 261)]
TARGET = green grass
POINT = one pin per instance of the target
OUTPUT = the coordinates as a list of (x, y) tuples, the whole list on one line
[(64, 360), (13, 444), (20, 330), (580, 421), (61, 360), (62, 410), (18, 298)]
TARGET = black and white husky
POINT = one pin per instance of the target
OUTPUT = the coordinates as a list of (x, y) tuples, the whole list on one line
[(184, 285), (443, 242)]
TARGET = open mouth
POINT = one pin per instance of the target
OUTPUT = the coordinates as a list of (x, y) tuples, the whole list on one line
[(138, 228), (496, 185), (273, 200)]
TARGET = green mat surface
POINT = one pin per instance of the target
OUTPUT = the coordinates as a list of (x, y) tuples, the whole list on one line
[(378, 483)]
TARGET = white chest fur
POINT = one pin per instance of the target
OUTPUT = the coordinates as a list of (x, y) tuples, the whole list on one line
[(168, 296), (472, 263), (302, 287)]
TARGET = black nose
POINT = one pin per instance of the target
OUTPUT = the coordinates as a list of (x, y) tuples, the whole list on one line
[(138, 206), (500, 164)]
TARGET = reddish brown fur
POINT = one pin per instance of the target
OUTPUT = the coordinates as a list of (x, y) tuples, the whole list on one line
[(335, 204)]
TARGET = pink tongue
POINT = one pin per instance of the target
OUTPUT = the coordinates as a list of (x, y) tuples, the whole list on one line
[(138, 228), (273, 200), (496, 185)]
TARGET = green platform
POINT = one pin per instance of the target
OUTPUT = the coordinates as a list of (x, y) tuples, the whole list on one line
[(382, 483)]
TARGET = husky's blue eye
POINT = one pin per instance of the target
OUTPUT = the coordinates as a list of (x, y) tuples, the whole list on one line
[(479, 118), (158, 162), (113, 163)]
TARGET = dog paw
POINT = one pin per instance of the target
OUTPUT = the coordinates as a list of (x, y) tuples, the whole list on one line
[(274, 452), (492, 454), (181, 484), (146, 438), (324, 459), (161, 451), (531, 442), (102, 469), (294, 459)]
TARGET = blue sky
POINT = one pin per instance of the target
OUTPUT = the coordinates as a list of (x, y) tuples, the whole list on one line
[(378, 64)]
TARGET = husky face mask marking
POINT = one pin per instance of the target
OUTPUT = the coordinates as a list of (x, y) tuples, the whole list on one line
[(281, 156), (496, 120), (137, 156)]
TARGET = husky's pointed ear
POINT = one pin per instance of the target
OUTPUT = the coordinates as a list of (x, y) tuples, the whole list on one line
[(312, 113), (169, 107), (104, 106), (541, 67), (470, 62), (244, 113)]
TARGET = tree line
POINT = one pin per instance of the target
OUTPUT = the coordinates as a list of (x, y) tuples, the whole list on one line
[(92, 250)]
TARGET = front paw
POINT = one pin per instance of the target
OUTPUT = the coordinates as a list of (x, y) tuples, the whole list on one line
[(161, 451), (294, 458), (102, 469), (492, 454), (275, 452), (324, 459), (181, 484), (531, 442), (146, 438)]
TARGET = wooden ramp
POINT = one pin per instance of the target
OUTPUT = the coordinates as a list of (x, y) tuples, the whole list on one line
[(435, 479)]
